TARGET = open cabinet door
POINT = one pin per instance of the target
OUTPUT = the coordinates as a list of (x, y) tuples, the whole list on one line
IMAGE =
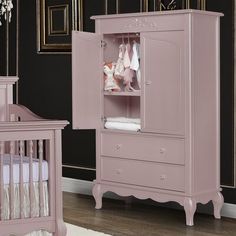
[(86, 80)]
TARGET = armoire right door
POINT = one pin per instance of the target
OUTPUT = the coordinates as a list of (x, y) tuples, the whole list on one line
[(163, 82)]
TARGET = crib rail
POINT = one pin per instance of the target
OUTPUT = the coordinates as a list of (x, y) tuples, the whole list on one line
[(29, 140), (21, 113)]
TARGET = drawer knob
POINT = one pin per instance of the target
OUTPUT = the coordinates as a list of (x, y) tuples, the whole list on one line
[(118, 146), (162, 150), (162, 177), (118, 171)]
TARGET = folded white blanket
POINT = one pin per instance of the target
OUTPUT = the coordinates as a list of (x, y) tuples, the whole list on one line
[(122, 126), (123, 120)]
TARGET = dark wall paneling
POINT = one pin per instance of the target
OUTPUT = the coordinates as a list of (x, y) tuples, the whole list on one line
[(91, 8), (45, 87), (227, 87), (11, 45), (2, 49), (78, 173), (124, 7)]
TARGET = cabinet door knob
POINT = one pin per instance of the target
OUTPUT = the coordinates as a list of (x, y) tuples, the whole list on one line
[(118, 146), (148, 82), (162, 150)]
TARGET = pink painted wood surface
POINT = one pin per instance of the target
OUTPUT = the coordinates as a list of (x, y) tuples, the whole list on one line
[(155, 175), (132, 23), (15, 138), (1, 179), (86, 79), (122, 106), (6, 95), (11, 192), (55, 194), (179, 107), (163, 82), (205, 105), (166, 150), (21, 152), (31, 176)]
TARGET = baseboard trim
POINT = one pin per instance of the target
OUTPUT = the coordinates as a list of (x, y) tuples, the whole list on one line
[(85, 187)]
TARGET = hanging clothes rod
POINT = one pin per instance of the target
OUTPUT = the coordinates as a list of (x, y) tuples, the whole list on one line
[(127, 35)]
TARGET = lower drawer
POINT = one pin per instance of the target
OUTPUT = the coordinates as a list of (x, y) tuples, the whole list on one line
[(148, 174)]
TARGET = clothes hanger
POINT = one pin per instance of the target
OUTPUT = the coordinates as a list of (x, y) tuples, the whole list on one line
[(123, 40)]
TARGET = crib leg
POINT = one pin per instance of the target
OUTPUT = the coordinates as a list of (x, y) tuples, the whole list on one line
[(60, 228), (97, 194)]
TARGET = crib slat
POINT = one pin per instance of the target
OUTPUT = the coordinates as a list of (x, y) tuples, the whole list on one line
[(22, 151), (12, 151), (1, 179), (31, 177), (40, 148)]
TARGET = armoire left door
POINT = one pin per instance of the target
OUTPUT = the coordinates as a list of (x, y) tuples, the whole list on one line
[(86, 80)]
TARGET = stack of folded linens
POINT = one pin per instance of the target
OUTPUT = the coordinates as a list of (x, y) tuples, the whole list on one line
[(123, 123)]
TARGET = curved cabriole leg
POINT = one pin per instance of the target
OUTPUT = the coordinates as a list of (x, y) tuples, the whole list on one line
[(60, 228), (217, 204), (190, 208), (97, 194)]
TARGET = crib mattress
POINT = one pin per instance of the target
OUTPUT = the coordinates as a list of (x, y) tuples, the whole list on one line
[(16, 169)]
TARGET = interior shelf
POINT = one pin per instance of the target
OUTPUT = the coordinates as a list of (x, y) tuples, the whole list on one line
[(133, 93)]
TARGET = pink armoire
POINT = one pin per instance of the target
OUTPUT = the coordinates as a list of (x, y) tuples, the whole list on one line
[(175, 156)]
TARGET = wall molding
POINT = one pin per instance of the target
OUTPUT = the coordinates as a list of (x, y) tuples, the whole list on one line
[(85, 187)]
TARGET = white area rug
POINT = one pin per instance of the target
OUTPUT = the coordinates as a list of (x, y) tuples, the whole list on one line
[(73, 230)]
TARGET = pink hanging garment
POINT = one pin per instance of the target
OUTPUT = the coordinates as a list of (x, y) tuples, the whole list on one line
[(110, 83)]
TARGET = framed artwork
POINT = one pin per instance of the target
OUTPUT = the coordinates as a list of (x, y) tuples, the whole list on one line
[(121, 6), (55, 21), (165, 5)]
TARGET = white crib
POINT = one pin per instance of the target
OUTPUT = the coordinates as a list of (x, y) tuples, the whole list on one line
[(30, 170)]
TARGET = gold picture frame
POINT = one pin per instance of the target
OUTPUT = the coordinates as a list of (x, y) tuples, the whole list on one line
[(143, 6), (159, 5), (55, 21)]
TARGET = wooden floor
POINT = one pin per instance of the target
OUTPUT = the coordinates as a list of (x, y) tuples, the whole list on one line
[(120, 219)]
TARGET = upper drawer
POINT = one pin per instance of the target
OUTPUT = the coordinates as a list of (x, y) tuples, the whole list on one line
[(143, 147), (140, 24)]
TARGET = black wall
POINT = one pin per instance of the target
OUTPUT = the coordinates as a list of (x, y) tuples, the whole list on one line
[(45, 87)]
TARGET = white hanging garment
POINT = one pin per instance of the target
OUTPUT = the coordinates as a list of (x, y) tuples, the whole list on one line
[(120, 68), (127, 56), (135, 64)]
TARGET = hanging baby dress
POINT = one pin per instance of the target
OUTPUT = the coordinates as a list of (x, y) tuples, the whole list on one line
[(110, 82), (135, 64), (120, 68), (128, 73)]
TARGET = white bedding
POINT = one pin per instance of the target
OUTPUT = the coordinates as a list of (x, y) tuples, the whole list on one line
[(26, 203), (123, 123), (26, 199), (16, 169)]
